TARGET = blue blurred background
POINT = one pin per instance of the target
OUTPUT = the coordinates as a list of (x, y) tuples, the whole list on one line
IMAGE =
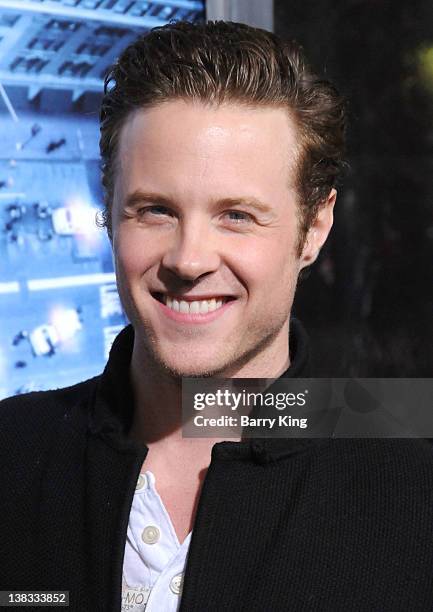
[(59, 308)]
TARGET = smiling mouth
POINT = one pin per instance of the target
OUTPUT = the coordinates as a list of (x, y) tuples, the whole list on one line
[(189, 306)]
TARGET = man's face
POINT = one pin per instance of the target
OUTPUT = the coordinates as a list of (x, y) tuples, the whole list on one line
[(204, 208)]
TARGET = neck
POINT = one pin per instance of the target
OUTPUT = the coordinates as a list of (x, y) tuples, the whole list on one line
[(158, 396), (157, 399)]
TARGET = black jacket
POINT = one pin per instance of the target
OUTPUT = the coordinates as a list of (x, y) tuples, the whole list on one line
[(281, 525)]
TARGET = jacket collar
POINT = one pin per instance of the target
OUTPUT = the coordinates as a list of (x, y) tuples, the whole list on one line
[(112, 411)]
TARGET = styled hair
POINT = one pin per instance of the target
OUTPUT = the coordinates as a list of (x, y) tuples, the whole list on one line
[(220, 62)]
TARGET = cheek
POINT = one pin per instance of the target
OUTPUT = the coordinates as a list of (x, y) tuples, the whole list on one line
[(132, 251), (270, 266)]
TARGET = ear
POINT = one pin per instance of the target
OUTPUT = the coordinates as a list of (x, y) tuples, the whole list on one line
[(318, 232)]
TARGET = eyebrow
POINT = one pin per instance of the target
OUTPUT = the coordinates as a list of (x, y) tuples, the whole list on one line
[(139, 197), (249, 202)]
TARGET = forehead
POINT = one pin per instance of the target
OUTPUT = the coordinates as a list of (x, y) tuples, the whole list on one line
[(213, 143)]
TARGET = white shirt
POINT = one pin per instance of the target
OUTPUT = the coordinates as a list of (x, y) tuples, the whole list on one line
[(154, 559)]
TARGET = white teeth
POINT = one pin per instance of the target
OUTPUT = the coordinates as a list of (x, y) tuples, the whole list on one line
[(183, 306), (195, 307)]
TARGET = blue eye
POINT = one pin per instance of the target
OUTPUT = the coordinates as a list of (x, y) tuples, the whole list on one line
[(157, 210), (155, 214), (154, 211), (239, 216)]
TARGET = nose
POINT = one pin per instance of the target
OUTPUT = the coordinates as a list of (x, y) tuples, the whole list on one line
[(192, 253)]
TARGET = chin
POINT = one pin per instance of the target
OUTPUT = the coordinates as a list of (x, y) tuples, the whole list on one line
[(184, 365), (191, 368), (188, 372)]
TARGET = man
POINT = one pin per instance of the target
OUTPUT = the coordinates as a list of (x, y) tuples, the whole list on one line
[(221, 152)]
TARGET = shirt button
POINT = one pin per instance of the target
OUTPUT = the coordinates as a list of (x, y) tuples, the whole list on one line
[(141, 482), (176, 584), (150, 534)]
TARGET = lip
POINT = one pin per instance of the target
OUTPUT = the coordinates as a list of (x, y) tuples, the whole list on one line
[(192, 298), (195, 318)]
